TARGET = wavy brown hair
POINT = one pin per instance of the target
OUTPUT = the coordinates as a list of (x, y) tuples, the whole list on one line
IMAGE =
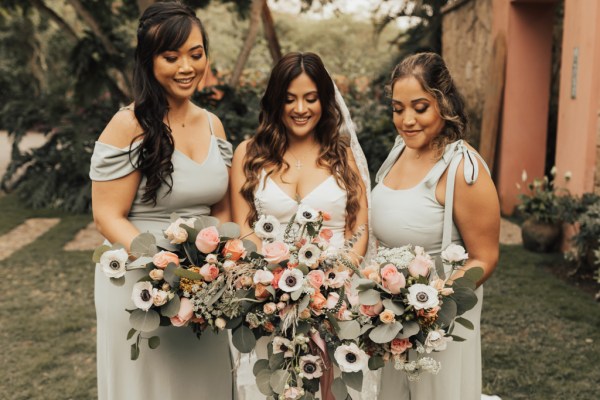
[(163, 26), (267, 148), (433, 75)]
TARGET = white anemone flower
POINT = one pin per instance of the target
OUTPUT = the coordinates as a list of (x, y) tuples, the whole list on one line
[(283, 345), (309, 255), (113, 263), (336, 279), (306, 214), (310, 366), (267, 227), (350, 358), (142, 295), (291, 280), (422, 296)]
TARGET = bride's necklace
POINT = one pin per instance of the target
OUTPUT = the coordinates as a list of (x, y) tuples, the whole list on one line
[(298, 163)]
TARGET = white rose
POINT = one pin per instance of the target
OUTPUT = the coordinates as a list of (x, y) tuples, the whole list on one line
[(228, 265), (113, 263), (175, 233), (454, 254), (263, 277), (159, 297), (220, 323), (157, 274), (211, 258), (436, 341)]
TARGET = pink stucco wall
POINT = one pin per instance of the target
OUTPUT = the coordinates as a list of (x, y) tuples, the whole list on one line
[(578, 118), (522, 144)]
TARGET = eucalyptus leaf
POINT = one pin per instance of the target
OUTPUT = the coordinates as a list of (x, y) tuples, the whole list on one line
[(144, 321), (173, 217), (140, 263), (234, 323), (263, 379), (364, 284), (465, 299), (474, 274), (192, 233), (303, 268), (296, 294), (376, 362), (338, 388), (349, 330), (303, 327), (229, 230), (186, 273), (457, 338), (154, 342), (169, 275), (333, 320), (205, 221), (465, 322), (131, 333), (259, 365), (278, 380), (271, 290), (276, 361), (385, 333), (353, 380), (135, 351), (250, 246), (369, 297), (464, 282), (243, 339), (98, 253), (303, 303), (171, 308), (217, 295), (118, 281), (409, 328), (144, 245), (447, 312), (396, 308)]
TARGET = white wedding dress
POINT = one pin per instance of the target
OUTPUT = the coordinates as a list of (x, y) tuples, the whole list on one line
[(270, 199)]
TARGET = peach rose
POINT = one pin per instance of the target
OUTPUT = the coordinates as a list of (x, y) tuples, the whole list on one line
[(439, 285), (371, 272), (157, 274), (269, 308), (159, 297), (261, 292), (209, 272), (430, 313), (234, 249), (277, 272), (317, 302), (163, 258), (326, 216), (393, 280), (371, 311), (421, 265), (207, 239), (387, 317), (276, 252), (399, 346), (326, 234), (186, 311), (315, 278)]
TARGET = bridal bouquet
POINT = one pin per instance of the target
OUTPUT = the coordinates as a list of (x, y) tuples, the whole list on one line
[(300, 297), (188, 281), (405, 305)]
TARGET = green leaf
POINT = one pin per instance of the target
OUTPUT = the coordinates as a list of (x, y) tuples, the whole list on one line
[(144, 321), (186, 273), (154, 342), (98, 253), (276, 361), (338, 388), (243, 339), (118, 281), (259, 365), (135, 351), (349, 330), (296, 294), (229, 230), (303, 268), (250, 246), (364, 284), (144, 245), (465, 322), (205, 221), (465, 299), (131, 333), (303, 303), (369, 297), (464, 282), (409, 328), (333, 320), (457, 338), (385, 333), (474, 274), (353, 380), (396, 308), (263, 379), (171, 308), (234, 323), (140, 263), (447, 312), (169, 275), (278, 380), (376, 362), (303, 327)]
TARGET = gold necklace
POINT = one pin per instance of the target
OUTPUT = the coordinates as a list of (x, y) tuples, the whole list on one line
[(299, 164)]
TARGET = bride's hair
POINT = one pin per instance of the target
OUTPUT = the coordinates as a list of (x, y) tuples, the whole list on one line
[(163, 26), (267, 148)]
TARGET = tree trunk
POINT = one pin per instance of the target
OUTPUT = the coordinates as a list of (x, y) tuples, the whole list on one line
[(270, 33), (50, 13), (255, 11)]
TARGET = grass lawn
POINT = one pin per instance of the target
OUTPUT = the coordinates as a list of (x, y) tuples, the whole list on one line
[(540, 334)]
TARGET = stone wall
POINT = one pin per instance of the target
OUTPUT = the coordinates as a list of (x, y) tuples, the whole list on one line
[(467, 50)]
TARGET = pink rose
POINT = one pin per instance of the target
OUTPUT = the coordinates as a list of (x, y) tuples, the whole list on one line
[(263, 276), (399, 346), (421, 265), (326, 234), (209, 272), (186, 311), (371, 311), (315, 278), (393, 280), (207, 239), (163, 258), (351, 294), (234, 249), (332, 300), (276, 252), (371, 272)]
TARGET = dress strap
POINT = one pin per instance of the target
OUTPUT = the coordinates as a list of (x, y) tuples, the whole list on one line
[(390, 160), (128, 107), (210, 126)]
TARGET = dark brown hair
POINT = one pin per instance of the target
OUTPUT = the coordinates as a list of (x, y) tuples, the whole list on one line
[(267, 148), (433, 75), (163, 26)]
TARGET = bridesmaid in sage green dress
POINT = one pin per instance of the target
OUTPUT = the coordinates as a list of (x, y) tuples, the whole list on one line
[(434, 190), (161, 155)]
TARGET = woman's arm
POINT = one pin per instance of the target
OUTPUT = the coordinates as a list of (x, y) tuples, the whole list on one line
[(221, 210), (362, 217), (476, 213), (111, 200), (240, 209)]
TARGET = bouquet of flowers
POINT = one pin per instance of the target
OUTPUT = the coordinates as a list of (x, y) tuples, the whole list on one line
[(405, 305), (300, 297), (188, 281)]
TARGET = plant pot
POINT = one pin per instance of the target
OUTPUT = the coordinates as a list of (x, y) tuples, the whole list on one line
[(541, 237)]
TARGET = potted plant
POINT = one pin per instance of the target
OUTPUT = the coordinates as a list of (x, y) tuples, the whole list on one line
[(541, 209)]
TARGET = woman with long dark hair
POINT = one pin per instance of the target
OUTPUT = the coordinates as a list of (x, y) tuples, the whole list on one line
[(161, 155)]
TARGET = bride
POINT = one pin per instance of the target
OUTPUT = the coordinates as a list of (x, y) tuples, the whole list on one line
[(304, 152)]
